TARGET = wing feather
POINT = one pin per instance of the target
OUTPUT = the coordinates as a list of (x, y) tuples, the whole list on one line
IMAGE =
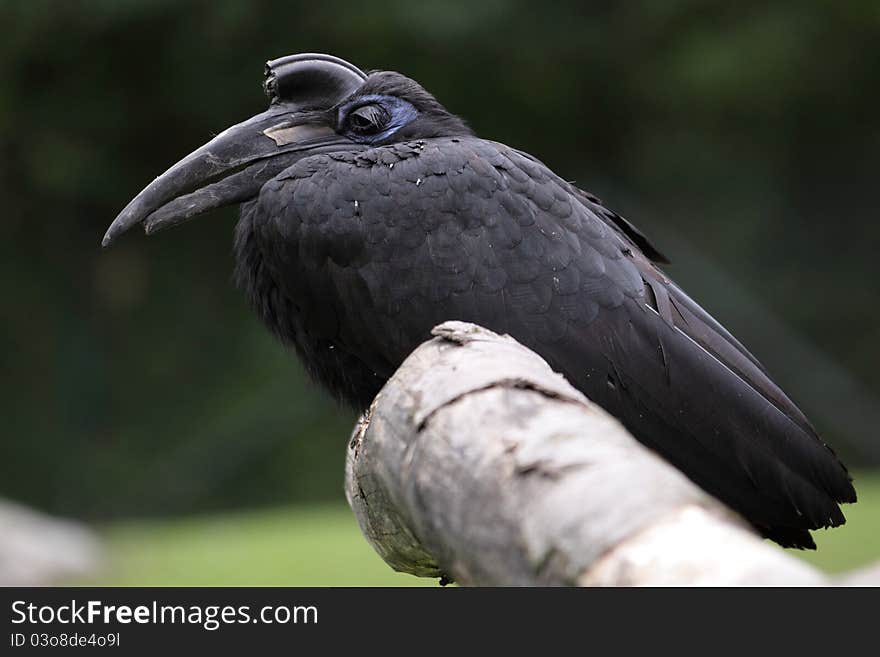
[(462, 228)]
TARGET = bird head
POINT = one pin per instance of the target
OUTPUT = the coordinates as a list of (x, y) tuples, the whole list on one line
[(317, 104), (390, 107)]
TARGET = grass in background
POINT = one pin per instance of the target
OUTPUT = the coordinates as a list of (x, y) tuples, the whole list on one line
[(857, 543), (321, 545), (315, 545)]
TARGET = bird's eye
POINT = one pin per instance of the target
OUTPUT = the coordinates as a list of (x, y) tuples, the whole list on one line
[(368, 119)]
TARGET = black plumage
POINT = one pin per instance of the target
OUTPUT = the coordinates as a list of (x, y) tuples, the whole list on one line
[(395, 218)]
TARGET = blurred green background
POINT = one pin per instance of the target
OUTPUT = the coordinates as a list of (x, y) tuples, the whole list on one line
[(137, 387)]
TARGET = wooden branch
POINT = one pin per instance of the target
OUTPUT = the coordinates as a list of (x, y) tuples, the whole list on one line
[(477, 463), (38, 550)]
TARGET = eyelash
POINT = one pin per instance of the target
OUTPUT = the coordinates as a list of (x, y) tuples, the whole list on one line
[(367, 117)]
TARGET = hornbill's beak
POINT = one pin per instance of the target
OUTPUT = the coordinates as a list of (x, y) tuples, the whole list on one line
[(234, 165)]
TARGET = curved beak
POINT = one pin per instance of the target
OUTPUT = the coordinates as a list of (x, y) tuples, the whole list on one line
[(234, 165)]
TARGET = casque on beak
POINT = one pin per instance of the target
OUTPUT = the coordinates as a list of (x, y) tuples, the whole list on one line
[(234, 165)]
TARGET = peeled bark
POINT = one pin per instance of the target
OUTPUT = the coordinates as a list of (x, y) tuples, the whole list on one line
[(477, 463)]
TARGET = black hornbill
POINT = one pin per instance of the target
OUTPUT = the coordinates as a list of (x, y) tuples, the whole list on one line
[(369, 214)]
